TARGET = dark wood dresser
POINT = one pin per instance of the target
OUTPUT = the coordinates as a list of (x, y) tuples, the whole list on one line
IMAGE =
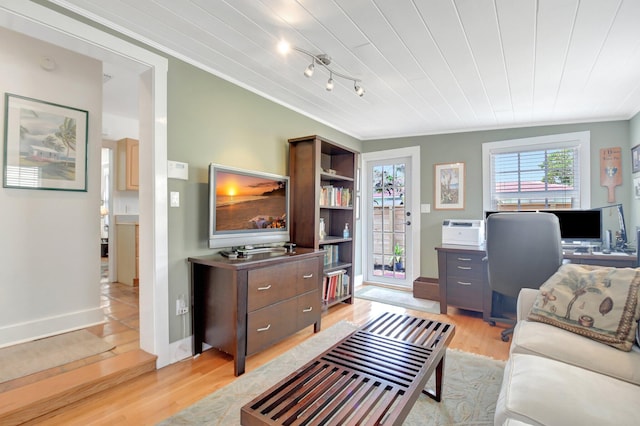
[(243, 306)]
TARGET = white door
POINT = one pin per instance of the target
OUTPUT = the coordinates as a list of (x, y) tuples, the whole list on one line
[(390, 221)]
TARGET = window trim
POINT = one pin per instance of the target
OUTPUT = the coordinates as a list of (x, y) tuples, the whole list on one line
[(582, 139)]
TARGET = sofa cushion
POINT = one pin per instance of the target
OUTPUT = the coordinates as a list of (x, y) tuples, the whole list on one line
[(543, 340), (542, 391), (597, 302)]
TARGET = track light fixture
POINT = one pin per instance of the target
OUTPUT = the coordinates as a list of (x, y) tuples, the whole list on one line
[(309, 71), (323, 60), (330, 82)]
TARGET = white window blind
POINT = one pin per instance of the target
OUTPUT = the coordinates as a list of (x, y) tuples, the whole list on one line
[(536, 179), (549, 172)]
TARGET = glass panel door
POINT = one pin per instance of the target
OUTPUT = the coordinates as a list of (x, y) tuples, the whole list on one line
[(389, 237)]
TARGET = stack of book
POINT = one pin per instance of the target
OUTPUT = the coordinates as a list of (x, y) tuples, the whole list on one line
[(331, 196), (335, 285), (331, 254)]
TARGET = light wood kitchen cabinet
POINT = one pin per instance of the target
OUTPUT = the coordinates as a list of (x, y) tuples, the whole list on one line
[(128, 170), (127, 249)]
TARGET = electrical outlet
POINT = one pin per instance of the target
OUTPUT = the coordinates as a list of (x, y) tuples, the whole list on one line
[(181, 307)]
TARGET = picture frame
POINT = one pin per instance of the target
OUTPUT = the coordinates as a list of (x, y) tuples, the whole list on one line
[(635, 159), (45, 145), (449, 186), (636, 188)]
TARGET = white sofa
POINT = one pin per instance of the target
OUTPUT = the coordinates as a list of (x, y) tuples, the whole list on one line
[(555, 377)]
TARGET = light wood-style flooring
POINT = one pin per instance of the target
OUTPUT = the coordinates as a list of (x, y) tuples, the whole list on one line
[(157, 395)]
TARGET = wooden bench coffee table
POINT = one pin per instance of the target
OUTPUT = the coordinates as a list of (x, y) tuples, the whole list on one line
[(372, 376)]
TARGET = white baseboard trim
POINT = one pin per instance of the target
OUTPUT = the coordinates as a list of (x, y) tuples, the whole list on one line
[(180, 349), (44, 327)]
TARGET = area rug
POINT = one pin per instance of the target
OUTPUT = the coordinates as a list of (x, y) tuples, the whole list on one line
[(400, 298), (38, 355), (470, 388)]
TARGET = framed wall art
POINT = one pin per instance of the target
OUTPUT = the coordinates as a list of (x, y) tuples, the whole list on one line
[(45, 145), (635, 159), (449, 186)]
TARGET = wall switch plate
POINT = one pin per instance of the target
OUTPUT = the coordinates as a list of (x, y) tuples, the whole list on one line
[(425, 208), (174, 199)]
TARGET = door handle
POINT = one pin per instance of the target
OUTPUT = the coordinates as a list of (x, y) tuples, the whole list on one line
[(264, 328)]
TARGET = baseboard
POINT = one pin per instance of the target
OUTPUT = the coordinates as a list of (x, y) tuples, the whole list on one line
[(50, 326), (181, 349)]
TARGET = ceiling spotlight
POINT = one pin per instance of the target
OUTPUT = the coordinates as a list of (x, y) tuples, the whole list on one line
[(330, 83), (309, 71), (323, 60), (284, 47)]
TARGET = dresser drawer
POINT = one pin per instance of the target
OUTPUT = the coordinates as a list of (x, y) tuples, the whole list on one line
[(465, 293), (307, 275), (272, 284), (309, 309), (271, 324)]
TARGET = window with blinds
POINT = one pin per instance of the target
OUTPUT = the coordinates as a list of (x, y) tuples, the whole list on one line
[(537, 173)]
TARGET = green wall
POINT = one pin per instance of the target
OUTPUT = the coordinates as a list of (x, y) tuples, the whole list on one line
[(212, 120), (467, 148)]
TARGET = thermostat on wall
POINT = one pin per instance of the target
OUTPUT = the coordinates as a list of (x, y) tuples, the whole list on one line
[(177, 170)]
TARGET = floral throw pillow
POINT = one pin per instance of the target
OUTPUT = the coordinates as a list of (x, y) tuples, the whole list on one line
[(597, 302)]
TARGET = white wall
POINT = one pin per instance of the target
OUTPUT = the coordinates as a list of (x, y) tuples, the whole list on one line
[(49, 240)]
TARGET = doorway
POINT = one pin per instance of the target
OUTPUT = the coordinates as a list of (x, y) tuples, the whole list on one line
[(390, 224), (41, 22)]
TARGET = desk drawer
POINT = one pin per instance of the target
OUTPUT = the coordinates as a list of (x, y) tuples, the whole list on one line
[(271, 324), (465, 293), (461, 265)]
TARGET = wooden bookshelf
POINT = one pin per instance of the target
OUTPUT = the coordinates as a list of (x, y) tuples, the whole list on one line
[(323, 185)]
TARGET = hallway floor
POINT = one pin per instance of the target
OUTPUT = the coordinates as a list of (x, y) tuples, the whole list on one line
[(119, 304)]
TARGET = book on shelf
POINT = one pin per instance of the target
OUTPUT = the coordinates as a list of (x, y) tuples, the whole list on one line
[(331, 196), (335, 285), (331, 254)]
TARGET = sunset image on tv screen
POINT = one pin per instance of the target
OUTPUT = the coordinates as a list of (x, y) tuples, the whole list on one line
[(249, 203)]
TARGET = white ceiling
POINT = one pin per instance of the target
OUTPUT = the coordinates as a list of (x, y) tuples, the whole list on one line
[(428, 66)]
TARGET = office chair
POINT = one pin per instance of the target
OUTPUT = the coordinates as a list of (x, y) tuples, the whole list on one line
[(523, 250)]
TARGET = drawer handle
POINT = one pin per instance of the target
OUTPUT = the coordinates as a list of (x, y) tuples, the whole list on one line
[(466, 268), (309, 309), (463, 283), (307, 276), (264, 328), (264, 288), (465, 259)]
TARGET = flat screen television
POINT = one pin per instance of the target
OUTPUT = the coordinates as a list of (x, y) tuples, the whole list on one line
[(576, 226), (247, 207)]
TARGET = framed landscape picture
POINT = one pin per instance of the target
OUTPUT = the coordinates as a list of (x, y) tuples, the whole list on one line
[(45, 145), (449, 186)]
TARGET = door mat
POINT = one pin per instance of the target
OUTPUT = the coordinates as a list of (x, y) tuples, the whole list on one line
[(395, 297)]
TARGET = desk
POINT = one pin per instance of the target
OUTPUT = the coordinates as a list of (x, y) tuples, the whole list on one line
[(462, 275), (618, 260)]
